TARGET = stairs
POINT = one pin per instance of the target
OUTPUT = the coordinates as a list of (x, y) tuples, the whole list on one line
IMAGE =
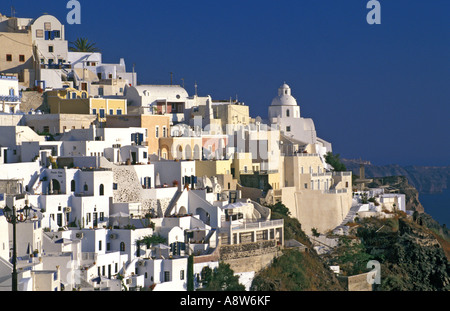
[(173, 202), (350, 215)]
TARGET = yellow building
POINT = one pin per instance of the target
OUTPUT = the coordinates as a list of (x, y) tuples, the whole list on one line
[(72, 101)]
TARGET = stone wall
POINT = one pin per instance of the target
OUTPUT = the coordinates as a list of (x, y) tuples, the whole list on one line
[(356, 282), (130, 190), (32, 100), (250, 256)]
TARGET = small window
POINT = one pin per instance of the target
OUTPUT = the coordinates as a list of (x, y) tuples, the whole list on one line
[(114, 186), (47, 26), (182, 275), (39, 33), (22, 58), (288, 128), (288, 113), (102, 113), (119, 112), (157, 132), (166, 276), (50, 49), (94, 111), (111, 111), (8, 57)]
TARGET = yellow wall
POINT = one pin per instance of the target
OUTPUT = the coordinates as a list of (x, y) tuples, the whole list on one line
[(212, 168)]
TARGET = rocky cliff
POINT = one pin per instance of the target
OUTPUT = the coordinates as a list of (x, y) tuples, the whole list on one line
[(426, 179)]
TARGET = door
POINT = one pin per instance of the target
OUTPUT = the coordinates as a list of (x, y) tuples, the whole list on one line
[(95, 219)]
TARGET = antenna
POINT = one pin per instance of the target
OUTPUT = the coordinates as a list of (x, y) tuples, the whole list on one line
[(182, 79), (195, 85), (171, 78)]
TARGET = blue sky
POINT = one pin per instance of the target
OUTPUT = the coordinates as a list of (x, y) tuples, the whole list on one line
[(379, 92)]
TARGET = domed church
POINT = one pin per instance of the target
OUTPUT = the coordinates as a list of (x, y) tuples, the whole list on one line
[(284, 112)]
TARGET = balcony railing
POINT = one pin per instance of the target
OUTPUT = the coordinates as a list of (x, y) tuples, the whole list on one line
[(257, 225), (8, 77), (10, 99)]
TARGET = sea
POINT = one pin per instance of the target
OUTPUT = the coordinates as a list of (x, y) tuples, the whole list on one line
[(437, 205)]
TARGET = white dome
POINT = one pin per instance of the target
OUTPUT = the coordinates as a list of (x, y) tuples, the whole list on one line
[(284, 97)]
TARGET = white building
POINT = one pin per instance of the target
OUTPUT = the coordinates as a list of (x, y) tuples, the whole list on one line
[(10, 96), (284, 112)]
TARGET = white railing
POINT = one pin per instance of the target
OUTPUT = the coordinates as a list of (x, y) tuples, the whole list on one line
[(258, 225), (342, 173), (335, 191)]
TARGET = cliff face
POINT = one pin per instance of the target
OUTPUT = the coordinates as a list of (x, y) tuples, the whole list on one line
[(412, 257), (426, 179)]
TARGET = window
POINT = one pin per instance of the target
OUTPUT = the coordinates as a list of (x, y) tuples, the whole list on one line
[(157, 132), (164, 131), (166, 276), (144, 155), (46, 129), (94, 111), (102, 113), (102, 189), (114, 186), (50, 49), (288, 113), (22, 58), (111, 111), (72, 185), (85, 188), (182, 275), (288, 128), (99, 245), (102, 216), (47, 26), (39, 33), (119, 112), (8, 57), (73, 95), (122, 246)]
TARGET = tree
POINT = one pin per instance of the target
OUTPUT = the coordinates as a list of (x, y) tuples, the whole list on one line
[(280, 208), (83, 45), (335, 161), (222, 278)]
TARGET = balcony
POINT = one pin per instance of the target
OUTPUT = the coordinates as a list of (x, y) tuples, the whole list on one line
[(10, 99)]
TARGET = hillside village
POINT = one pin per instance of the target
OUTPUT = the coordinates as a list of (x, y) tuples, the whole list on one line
[(118, 186)]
